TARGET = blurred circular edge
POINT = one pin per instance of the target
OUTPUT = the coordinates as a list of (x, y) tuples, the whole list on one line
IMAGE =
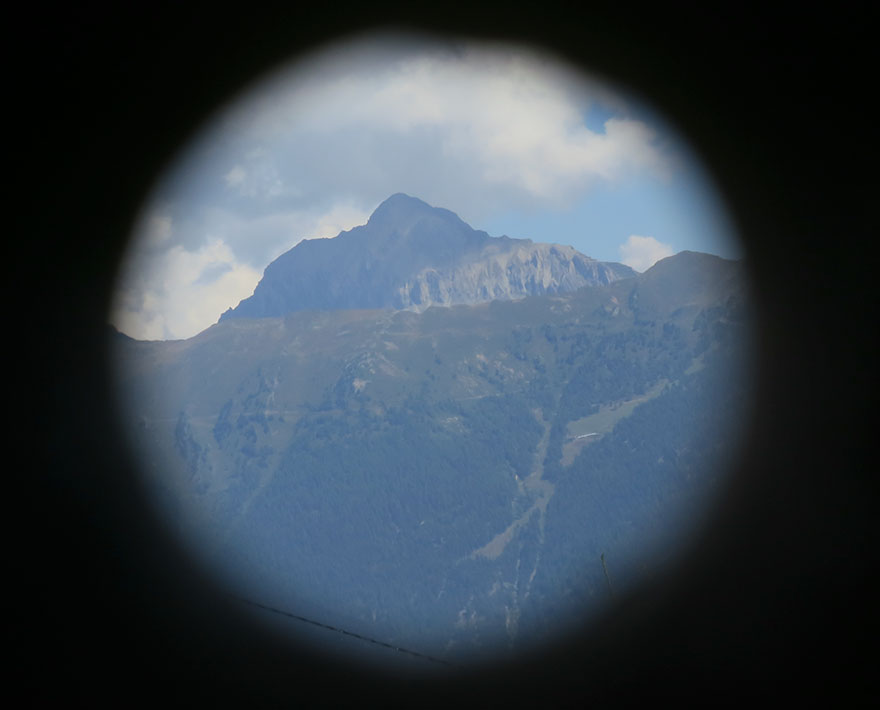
[(715, 146), (205, 581)]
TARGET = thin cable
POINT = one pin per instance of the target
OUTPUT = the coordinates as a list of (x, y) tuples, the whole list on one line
[(343, 631), (605, 570)]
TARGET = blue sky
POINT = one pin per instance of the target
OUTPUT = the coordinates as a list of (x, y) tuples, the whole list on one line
[(679, 214), (512, 141)]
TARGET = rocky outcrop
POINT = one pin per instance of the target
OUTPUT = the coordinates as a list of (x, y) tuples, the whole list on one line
[(505, 270)]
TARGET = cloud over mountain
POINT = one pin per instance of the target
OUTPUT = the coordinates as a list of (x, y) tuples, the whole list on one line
[(641, 253)]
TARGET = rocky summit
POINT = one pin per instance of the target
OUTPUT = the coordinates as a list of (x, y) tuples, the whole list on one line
[(409, 256)]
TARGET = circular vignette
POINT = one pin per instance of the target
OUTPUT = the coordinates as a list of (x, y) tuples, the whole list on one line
[(783, 198), (187, 176)]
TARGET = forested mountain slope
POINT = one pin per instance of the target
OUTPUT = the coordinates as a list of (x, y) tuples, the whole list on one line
[(448, 480)]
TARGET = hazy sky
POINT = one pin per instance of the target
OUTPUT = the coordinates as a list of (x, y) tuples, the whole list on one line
[(511, 141)]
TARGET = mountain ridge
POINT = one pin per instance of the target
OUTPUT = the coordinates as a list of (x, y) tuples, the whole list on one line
[(409, 256)]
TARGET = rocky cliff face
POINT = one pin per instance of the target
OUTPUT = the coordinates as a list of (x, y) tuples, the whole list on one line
[(410, 255), (504, 270)]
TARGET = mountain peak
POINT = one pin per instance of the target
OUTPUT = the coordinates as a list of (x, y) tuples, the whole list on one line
[(402, 200), (410, 255), (401, 212)]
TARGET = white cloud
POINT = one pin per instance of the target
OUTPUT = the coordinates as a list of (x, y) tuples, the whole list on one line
[(235, 176), (496, 117), (178, 292), (339, 218), (157, 229), (259, 238), (182, 292), (641, 253), (259, 179)]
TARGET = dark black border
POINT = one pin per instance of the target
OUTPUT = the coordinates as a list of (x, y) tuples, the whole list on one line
[(777, 602)]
